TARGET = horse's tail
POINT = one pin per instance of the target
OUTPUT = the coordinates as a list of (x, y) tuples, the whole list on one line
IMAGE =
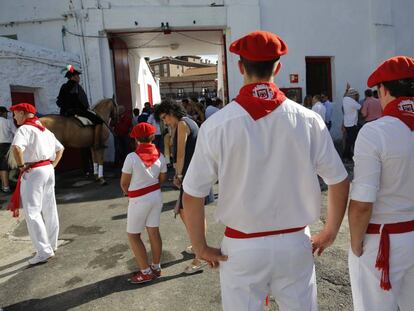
[(11, 159)]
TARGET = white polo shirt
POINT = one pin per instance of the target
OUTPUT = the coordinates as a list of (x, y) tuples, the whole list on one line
[(320, 109), (267, 169), (7, 130), (37, 145), (351, 108), (384, 170), (143, 176)]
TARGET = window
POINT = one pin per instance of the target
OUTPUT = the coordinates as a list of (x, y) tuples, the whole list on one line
[(180, 93), (165, 70)]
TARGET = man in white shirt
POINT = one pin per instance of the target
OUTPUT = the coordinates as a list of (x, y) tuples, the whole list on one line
[(350, 107), (212, 108), (329, 110), (318, 107), (381, 211), (7, 130), (270, 194), (37, 152)]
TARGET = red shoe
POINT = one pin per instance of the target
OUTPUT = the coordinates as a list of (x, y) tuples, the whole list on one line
[(140, 277), (156, 272)]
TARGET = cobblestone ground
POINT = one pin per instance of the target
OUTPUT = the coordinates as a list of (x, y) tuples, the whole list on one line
[(93, 262)]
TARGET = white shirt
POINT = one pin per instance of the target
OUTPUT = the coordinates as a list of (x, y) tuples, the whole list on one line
[(320, 109), (7, 130), (35, 144), (384, 170), (143, 176), (267, 169), (151, 120), (329, 110), (351, 108), (210, 110)]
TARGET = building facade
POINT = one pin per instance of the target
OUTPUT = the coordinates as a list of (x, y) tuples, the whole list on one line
[(330, 42), (185, 77)]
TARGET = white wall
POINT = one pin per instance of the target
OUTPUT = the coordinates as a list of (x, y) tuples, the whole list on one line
[(144, 78), (29, 66), (343, 30), (357, 34)]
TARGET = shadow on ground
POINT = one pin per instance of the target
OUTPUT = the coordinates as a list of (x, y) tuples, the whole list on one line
[(82, 295)]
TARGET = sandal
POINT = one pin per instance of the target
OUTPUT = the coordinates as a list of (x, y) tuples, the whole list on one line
[(196, 265), (189, 250)]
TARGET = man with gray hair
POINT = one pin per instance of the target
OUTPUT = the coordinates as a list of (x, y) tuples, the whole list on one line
[(350, 108)]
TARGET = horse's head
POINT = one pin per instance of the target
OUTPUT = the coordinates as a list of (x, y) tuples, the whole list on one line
[(107, 109)]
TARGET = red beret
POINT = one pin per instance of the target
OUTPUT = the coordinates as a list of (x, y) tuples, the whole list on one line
[(142, 130), (395, 68), (259, 46), (24, 107)]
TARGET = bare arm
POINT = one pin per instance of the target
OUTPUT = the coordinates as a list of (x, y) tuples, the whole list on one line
[(194, 218), (359, 214), (337, 201), (182, 133), (125, 181), (18, 155), (58, 156)]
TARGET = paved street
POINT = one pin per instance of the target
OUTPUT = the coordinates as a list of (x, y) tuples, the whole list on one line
[(90, 268)]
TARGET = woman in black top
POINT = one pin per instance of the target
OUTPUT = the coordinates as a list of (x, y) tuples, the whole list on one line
[(185, 137)]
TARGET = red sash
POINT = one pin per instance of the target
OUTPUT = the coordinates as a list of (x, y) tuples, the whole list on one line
[(235, 234), (404, 112), (260, 99), (14, 204), (383, 257), (143, 191), (148, 153)]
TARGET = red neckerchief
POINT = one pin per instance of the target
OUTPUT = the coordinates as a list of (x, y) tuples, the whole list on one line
[(148, 153), (34, 122), (260, 99), (403, 109)]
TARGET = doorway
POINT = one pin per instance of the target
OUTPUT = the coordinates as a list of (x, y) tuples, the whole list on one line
[(319, 76)]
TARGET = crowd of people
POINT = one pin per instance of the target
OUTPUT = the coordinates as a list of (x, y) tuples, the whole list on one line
[(266, 152), (356, 112)]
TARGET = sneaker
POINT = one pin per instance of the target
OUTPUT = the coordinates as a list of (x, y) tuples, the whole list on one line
[(37, 259), (196, 265), (156, 272), (6, 190), (140, 277)]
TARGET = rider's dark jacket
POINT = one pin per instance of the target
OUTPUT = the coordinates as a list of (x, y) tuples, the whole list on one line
[(72, 100)]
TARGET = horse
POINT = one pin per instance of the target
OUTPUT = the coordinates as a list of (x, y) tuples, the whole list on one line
[(70, 132)]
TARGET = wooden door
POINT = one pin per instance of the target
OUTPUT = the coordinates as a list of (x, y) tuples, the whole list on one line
[(318, 76)]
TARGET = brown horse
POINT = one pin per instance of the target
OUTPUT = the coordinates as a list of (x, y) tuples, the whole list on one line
[(71, 134)]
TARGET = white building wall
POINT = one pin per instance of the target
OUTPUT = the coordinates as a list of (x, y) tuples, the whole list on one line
[(141, 77), (27, 66), (357, 34)]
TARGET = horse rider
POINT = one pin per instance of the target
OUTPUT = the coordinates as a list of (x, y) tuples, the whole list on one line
[(72, 100)]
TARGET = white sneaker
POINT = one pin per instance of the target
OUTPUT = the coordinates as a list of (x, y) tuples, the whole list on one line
[(36, 259)]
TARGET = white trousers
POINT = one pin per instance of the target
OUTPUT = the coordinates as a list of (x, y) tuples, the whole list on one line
[(365, 278), (38, 201), (282, 264)]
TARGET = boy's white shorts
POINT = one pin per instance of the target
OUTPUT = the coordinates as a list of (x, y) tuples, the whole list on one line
[(144, 211)]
